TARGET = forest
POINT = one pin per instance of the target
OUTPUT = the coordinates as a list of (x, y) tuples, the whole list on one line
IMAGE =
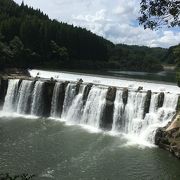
[(30, 39)]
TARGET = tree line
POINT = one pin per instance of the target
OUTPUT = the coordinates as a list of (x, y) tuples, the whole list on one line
[(29, 39)]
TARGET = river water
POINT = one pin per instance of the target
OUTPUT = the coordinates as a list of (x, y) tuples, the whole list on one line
[(52, 150)]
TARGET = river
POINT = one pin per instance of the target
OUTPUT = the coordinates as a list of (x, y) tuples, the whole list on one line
[(51, 150)]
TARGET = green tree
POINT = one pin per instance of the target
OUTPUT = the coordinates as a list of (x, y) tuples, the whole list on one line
[(177, 55), (158, 13)]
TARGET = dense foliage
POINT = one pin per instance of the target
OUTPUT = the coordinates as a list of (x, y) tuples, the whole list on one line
[(158, 13), (28, 38), (177, 56), (137, 58)]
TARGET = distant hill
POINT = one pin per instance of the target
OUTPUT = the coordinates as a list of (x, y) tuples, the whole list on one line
[(137, 58), (28, 38)]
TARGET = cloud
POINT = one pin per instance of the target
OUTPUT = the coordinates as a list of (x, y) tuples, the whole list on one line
[(115, 20)]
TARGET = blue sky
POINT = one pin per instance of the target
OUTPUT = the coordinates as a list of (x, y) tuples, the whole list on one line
[(114, 20)]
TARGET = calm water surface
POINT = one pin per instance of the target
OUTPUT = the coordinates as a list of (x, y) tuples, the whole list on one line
[(51, 150)]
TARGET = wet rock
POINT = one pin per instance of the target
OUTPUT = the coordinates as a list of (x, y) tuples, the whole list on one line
[(160, 100), (147, 103), (169, 140), (178, 105), (77, 87), (47, 97), (61, 96), (125, 96), (86, 92), (140, 88), (107, 118), (3, 90)]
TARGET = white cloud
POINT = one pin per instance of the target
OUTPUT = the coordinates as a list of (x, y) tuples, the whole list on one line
[(114, 20)]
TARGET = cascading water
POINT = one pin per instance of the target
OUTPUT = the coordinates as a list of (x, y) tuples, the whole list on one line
[(69, 96), (76, 109), (37, 101), (24, 96), (11, 96), (55, 111), (118, 112), (160, 117), (94, 107), (130, 118)]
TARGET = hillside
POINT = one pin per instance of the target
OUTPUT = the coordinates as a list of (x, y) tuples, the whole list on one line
[(29, 39), (137, 58)]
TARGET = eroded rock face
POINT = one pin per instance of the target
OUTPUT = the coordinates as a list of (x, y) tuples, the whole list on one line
[(47, 95), (3, 90), (168, 137), (160, 100), (62, 92), (178, 105), (86, 92), (147, 103), (107, 118), (125, 95)]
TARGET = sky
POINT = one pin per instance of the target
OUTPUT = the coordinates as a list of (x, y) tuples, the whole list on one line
[(115, 20)]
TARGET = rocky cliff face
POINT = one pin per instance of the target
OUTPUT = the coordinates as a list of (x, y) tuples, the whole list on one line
[(168, 137)]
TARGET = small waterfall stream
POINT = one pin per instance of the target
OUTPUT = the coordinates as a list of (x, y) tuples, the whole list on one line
[(37, 100), (11, 96), (69, 96), (55, 113), (24, 96), (76, 109), (94, 107)]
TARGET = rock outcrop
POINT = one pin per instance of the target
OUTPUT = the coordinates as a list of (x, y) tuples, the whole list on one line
[(125, 95), (160, 100), (107, 118), (3, 90), (86, 92), (147, 103), (47, 95), (168, 137)]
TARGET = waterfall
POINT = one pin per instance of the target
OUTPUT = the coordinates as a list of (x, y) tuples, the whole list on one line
[(55, 111), (11, 96), (37, 100), (159, 117), (94, 107), (129, 119), (135, 113), (76, 109), (118, 112), (24, 96), (69, 96)]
